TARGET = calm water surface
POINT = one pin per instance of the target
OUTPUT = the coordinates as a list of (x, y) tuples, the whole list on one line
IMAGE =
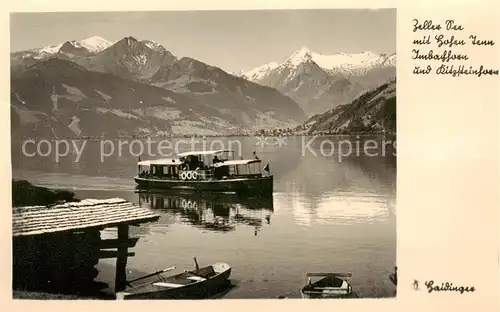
[(326, 215)]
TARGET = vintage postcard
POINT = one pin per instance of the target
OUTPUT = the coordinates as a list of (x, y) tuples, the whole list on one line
[(179, 155)]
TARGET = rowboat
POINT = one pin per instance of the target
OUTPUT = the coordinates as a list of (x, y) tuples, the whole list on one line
[(214, 170), (330, 285), (198, 283)]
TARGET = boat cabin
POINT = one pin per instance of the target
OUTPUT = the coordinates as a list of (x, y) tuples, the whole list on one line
[(246, 168), (201, 165), (166, 168)]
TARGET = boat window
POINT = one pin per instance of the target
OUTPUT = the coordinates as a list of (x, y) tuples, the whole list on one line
[(220, 172), (250, 169)]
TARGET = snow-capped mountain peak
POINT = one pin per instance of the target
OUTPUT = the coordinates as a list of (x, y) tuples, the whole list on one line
[(340, 63), (272, 65), (92, 44), (301, 55), (349, 63), (259, 72), (95, 43), (153, 45), (302, 51), (51, 49)]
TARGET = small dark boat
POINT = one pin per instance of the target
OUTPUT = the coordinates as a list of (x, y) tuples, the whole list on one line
[(331, 285), (195, 284)]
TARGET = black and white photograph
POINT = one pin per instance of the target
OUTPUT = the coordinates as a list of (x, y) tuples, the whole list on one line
[(215, 154)]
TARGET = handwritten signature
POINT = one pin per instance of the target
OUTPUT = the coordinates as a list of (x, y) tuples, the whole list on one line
[(432, 287)]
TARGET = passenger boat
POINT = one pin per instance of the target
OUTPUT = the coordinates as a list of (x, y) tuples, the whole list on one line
[(195, 284), (331, 285), (206, 171)]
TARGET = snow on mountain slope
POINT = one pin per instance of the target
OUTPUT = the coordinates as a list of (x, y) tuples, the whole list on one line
[(132, 58), (341, 63), (95, 44), (52, 49), (259, 72), (153, 45), (391, 60), (318, 82), (353, 64), (92, 45), (298, 57), (132, 88)]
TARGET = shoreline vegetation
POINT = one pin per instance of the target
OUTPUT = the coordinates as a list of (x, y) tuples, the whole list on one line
[(26, 194)]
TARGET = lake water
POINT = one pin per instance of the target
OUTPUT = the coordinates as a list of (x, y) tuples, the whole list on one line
[(330, 212)]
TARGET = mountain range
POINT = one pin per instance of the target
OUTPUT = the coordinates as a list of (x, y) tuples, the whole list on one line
[(95, 87), (320, 82)]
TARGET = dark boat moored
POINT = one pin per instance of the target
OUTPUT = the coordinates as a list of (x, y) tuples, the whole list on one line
[(331, 285), (195, 284), (192, 171)]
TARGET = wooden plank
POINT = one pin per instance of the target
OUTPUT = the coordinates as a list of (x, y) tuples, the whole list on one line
[(104, 224), (89, 214), (107, 254), (113, 243)]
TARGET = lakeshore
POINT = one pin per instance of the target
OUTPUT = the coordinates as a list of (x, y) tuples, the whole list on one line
[(270, 134)]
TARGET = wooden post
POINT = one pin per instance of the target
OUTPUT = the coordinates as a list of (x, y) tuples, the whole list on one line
[(121, 259)]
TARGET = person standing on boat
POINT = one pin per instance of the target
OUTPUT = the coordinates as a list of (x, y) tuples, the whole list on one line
[(216, 159), (255, 155)]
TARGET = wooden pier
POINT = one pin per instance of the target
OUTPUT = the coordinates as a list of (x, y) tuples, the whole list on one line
[(56, 248)]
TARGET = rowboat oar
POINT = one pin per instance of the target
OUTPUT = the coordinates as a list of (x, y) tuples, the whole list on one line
[(196, 265), (152, 274)]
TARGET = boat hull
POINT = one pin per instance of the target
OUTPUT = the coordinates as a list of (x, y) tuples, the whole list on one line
[(238, 185), (306, 296), (329, 287), (326, 296), (198, 290)]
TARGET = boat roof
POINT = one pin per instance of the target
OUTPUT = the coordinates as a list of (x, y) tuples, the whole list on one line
[(162, 161), (213, 152), (237, 162)]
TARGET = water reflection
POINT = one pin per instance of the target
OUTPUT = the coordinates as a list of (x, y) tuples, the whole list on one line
[(211, 212)]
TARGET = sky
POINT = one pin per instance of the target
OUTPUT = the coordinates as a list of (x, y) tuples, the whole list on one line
[(231, 40)]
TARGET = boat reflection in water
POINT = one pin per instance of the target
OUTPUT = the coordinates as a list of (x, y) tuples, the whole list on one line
[(220, 212)]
